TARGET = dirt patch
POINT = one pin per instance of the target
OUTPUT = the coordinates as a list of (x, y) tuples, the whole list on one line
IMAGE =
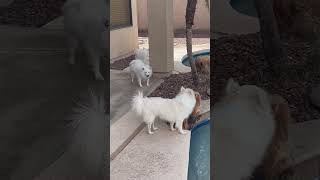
[(241, 57)]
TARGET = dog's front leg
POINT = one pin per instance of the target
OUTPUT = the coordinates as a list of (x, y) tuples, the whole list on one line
[(179, 124), (73, 44), (171, 126), (139, 81), (149, 128), (147, 82), (94, 59), (153, 127), (132, 76)]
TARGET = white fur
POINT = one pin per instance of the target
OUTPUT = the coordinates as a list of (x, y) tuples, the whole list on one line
[(141, 71), (172, 110), (85, 24), (243, 128), (142, 54), (84, 136)]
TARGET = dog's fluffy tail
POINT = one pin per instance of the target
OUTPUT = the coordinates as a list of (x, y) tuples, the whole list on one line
[(137, 103), (141, 54)]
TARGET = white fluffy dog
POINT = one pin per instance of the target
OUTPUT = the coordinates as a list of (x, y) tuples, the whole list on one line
[(141, 71), (242, 130), (172, 110), (85, 24)]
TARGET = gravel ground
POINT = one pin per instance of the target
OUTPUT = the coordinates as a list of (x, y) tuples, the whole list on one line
[(32, 13), (172, 84), (121, 64), (241, 57)]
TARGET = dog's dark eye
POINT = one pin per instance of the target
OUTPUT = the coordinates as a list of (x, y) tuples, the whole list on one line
[(142, 69)]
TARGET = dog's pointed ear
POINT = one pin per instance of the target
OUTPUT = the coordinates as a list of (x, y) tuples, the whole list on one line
[(232, 86), (182, 88), (191, 92), (263, 101)]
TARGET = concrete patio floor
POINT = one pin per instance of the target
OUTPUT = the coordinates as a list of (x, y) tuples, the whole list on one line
[(163, 155)]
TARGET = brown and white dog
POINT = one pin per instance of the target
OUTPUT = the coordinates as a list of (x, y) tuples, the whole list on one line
[(203, 64), (250, 129), (195, 115), (243, 128), (277, 157)]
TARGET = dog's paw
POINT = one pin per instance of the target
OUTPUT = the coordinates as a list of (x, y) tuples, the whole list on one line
[(99, 77), (182, 132), (155, 129), (150, 132)]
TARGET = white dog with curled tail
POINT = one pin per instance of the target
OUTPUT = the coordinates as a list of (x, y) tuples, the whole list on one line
[(85, 24), (242, 130), (141, 71), (171, 110)]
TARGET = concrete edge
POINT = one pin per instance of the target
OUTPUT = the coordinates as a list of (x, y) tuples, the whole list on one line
[(138, 129), (126, 142)]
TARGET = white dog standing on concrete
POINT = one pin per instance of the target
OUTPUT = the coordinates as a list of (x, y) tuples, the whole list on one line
[(141, 71), (174, 110), (85, 24), (242, 130)]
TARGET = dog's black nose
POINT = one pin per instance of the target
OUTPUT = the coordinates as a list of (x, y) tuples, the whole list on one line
[(147, 75)]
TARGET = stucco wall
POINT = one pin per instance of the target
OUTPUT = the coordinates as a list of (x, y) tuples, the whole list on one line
[(125, 40), (201, 19)]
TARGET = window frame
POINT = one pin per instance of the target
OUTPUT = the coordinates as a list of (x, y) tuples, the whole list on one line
[(130, 24)]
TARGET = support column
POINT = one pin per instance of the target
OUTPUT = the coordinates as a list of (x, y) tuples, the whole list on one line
[(160, 28)]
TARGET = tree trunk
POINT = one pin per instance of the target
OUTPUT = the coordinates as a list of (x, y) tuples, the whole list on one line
[(190, 11), (272, 46)]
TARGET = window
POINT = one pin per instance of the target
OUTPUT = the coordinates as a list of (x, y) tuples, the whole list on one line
[(120, 14)]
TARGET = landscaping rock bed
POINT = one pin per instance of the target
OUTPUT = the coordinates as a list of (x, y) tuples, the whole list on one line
[(122, 63), (172, 84), (32, 13), (241, 57)]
